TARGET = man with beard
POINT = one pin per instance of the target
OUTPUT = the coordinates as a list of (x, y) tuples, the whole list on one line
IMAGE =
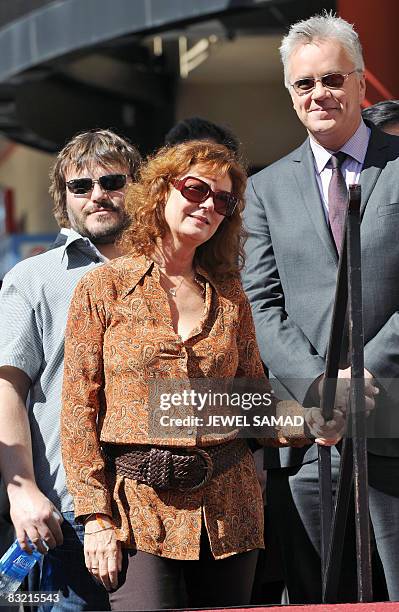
[(88, 184)]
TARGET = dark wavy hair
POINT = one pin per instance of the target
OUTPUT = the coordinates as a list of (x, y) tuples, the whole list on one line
[(87, 150), (222, 255)]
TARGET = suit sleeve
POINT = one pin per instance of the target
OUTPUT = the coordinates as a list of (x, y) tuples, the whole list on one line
[(381, 351), (381, 354), (283, 346)]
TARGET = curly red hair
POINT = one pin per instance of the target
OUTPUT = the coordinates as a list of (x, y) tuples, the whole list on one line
[(222, 255)]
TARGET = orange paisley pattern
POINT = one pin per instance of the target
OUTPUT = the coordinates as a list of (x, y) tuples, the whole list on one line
[(119, 336)]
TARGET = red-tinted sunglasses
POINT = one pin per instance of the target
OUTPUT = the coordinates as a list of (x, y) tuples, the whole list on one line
[(196, 190)]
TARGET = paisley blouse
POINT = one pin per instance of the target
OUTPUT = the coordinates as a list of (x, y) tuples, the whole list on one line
[(119, 338)]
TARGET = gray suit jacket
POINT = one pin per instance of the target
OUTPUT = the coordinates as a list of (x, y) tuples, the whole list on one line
[(291, 272)]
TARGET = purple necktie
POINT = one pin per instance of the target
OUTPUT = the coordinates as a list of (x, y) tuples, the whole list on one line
[(337, 198)]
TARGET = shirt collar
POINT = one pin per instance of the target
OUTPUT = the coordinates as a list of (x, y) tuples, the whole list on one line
[(132, 269), (356, 147), (72, 237)]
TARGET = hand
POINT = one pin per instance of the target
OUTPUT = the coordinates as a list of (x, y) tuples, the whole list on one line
[(341, 391), (35, 518), (370, 390), (327, 433), (103, 554), (294, 441), (342, 394)]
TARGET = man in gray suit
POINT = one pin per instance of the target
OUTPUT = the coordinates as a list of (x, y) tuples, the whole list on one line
[(295, 217)]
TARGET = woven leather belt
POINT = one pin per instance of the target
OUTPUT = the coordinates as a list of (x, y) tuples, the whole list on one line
[(184, 469)]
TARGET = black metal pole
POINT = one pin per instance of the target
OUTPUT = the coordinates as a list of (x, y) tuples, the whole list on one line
[(357, 398), (354, 454), (332, 569), (327, 405)]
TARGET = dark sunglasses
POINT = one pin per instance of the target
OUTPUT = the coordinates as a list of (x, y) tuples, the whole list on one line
[(195, 190), (108, 182), (334, 80)]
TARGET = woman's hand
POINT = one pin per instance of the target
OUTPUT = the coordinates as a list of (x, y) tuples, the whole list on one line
[(103, 555), (326, 433)]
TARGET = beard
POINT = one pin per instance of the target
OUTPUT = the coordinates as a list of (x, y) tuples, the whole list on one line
[(106, 229)]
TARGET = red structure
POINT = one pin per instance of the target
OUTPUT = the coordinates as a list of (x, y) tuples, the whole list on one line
[(377, 26)]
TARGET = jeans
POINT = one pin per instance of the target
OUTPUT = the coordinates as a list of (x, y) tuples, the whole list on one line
[(64, 570)]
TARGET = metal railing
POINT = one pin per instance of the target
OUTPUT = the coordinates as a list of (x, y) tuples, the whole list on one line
[(353, 467)]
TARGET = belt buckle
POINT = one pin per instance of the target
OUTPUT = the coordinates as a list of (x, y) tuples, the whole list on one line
[(208, 469)]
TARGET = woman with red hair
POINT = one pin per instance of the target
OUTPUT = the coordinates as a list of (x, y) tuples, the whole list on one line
[(183, 513)]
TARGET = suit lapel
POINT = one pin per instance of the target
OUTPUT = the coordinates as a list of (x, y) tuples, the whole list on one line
[(376, 158), (304, 172), (378, 153)]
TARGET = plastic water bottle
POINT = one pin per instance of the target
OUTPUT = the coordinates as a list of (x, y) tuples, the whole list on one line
[(15, 564)]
